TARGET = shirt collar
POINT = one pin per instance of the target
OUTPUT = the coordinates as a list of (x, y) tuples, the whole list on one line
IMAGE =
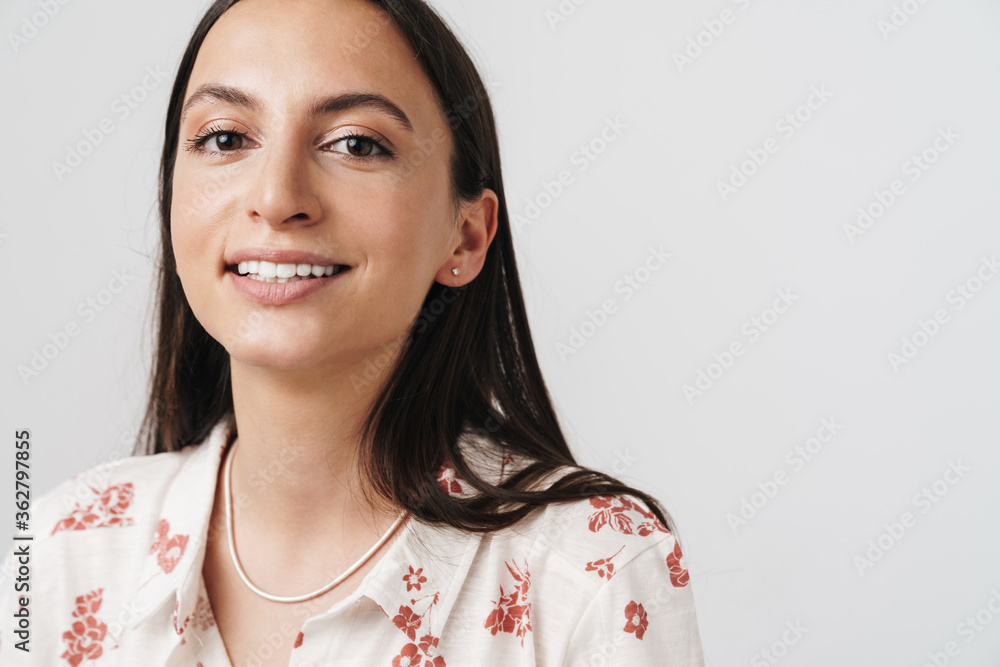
[(417, 582), (177, 552), (420, 574)]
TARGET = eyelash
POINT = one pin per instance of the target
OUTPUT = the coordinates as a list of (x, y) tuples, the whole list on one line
[(196, 145)]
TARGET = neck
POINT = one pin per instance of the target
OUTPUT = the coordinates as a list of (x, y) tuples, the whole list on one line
[(295, 474)]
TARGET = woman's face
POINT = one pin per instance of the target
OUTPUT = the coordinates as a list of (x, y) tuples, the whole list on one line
[(311, 137)]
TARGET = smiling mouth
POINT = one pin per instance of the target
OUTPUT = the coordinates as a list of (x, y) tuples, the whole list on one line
[(271, 272)]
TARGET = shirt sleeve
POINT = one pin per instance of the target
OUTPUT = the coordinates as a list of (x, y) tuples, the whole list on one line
[(643, 615)]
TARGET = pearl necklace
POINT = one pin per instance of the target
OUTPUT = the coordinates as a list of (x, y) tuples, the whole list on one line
[(295, 598)]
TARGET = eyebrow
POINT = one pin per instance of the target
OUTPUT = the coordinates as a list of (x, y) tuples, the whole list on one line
[(211, 92)]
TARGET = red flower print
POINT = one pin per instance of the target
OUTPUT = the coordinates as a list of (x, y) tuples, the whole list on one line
[(678, 573), (449, 479), (604, 567), (414, 578), (298, 640), (88, 604), (408, 657), (412, 655), (168, 551), (78, 519), (408, 622), (173, 619), (636, 619), (203, 617), (162, 528), (614, 511), (507, 460), (513, 611), (172, 552), (611, 510), (651, 524), (428, 645), (116, 499), (100, 509), (84, 640)]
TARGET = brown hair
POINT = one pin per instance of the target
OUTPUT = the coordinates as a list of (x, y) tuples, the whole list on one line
[(468, 364)]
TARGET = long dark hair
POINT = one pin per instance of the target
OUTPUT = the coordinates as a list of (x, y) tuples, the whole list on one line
[(467, 365)]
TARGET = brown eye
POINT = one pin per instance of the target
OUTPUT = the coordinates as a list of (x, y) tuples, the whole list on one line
[(229, 142), (360, 146)]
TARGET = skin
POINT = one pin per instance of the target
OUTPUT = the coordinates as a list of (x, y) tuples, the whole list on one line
[(292, 185)]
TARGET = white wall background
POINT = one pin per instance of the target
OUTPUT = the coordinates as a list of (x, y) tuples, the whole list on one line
[(682, 130)]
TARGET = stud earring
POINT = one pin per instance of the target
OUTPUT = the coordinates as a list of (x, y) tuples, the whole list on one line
[(455, 271)]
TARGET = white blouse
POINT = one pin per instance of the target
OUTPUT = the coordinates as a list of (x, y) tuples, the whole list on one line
[(115, 578)]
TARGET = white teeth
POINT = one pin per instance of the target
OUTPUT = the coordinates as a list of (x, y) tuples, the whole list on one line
[(272, 272), (253, 276)]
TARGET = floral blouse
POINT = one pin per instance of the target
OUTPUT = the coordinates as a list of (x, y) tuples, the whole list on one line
[(116, 579)]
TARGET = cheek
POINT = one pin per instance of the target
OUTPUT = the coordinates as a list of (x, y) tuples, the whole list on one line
[(196, 226), (414, 224), (197, 230), (185, 235)]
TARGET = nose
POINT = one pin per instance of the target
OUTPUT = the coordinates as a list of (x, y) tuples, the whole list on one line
[(282, 192)]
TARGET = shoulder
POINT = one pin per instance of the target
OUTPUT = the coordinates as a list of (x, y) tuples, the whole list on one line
[(639, 605), (598, 575), (592, 536), (116, 507), (599, 535), (94, 539), (114, 494)]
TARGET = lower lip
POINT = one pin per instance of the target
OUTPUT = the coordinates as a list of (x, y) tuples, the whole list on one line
[(281, 293)]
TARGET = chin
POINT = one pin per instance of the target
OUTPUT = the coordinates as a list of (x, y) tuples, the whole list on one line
[(279, 348), (278, 357)]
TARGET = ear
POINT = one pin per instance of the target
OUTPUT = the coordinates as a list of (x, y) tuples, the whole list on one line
[(477, 225)]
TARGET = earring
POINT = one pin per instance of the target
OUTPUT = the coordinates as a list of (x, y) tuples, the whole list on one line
[(455, 271)]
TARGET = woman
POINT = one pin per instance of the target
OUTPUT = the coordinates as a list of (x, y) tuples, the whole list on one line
[(353, 456)]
